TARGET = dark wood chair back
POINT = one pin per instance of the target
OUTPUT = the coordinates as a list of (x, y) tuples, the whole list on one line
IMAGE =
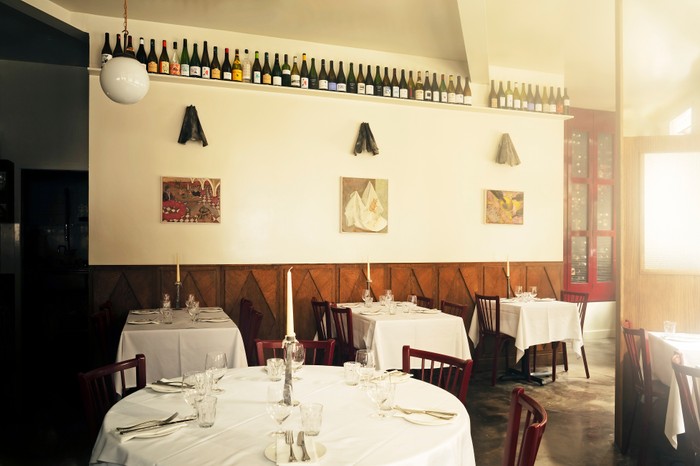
[(249, 325), (342, 317), (99, 394), (459, 310), (424, 301), (488, 310), (639, 356), (318, 352), (322, 315), (447, 372), (688, 379), (581, 301), (523, 431)]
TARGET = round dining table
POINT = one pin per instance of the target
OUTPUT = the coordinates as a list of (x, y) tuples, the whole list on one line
[(352, 432)]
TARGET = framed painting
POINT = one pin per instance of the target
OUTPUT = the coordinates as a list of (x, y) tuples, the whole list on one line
[(364, 205), (504, 207), (191, 200)]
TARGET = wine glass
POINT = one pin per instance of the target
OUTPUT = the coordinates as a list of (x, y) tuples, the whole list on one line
[(413, 299), (298, 354), (217, 363), (533, 292), (278, 410), (381, 391), (366, 360), (367, 297), (193, 310), (389, 296), (194, 388), (518, 291)]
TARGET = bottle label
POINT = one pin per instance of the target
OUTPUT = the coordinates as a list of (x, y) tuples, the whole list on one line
[(236, 75), (267, 78), (164, 67), (419, 94), (342, 87), (459, 98), (304, 83), (277, 80), (361, 88), (436, 97), (428, 95), (206, 72), (369, 89), (403, 93), (467, 100), (152, 67), (523, 105), (184, 70), (195, 71), (538, 107), (246, 72), (494, 102), (502, 102), (395, 91), (287, 72), (450, 97), (332, 86), (106, 57), (296, 80), (531, 106), (386, 91), (509, 101), (323, 84), (216, 73), (443, 97), (175, 69), (257, 77), (228, 76), (516, 104), (567, 103)]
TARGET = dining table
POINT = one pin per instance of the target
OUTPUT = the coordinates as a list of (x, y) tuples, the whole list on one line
[(172, 349), (351, 433), (384, 332), (535, 322), (662, 347)]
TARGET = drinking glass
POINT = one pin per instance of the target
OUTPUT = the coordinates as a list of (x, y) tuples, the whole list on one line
[(533, 292), (217, 363), (413, 299), (298, 354), (367, 297), (194, 388), (381, 391), (519, 291), (389, 296), (193, 310), (366, 370), (276, 407)]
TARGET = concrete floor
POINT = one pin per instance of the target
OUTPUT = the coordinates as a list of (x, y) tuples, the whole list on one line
[(580, 428)]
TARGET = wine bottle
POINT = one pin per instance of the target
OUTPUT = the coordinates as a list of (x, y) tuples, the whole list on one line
[(360, 80), (226, 70), (459, 92), (107, 50), (257, 69), (517, 100), (451, 99), (419, 88), (266, 70), (386, 83), (313, 75), (152, 63), (206, 62), (427, 88), (118, 52), (501, 96), (530, 99), (403, 86), (509, 96), (545, 100), (286, 72), (538, 99), (523, 98), (277, 71), (467, 92), (395, 89), (175, 61), (129, 50), (560, 102), (304, 75), (567, 102), (323, 76), (552, 100), (443, 89), (493, 96), (237, 72), (195, 64), (342, 85), (352, 81), (247, 67), (369, 82), (410, 86), (378, 84), (141, 53), (436, 89), (332, 78), (215, 65), (295, 78), (184, 60)]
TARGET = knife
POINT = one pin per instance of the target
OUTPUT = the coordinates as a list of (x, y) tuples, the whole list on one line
[(155, 426), (302, 442)]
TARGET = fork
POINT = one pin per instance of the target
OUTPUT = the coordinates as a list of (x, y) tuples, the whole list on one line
[(289, 440), (437, 414), (148, 423)]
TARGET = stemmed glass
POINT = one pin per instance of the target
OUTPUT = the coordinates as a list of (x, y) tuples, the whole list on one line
[(518, 292), (366, 360), (216, 363), (381, 392), (193, 310), (533, 292), (194, 387), (389, 296), (298, 355), (276, 407), (367, 297), (413, 299)]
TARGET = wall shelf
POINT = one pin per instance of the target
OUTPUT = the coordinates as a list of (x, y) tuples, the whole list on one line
[(341, 95)]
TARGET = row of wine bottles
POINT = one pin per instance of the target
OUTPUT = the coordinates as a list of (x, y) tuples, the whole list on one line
[(520, 98), (305, 76)]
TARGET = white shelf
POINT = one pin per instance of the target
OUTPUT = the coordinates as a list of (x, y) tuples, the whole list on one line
[(341, 95)]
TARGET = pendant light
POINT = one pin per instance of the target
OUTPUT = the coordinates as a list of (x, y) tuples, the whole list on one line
[(124, 79)]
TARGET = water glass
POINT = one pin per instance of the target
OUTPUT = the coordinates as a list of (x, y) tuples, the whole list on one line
[(669, 327), (352, 376), (275, 368), (167, 315), (206, 411), (413, 299), (533, 292), (311, 417), (367, 297)]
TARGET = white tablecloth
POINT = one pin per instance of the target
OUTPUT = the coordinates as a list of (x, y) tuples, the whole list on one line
[(350, 431), (662, 350), (172, 349), (536, 323), (386, 334)]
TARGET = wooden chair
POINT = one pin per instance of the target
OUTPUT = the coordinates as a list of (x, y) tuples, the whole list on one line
[(249, 325), (318, 352), (647, 390), (527, 432), (488, 310), (459, 310), (447, 372), (581, 301), (688, 379), (322, 314), (98, 392), (342, 317), (424, 301)]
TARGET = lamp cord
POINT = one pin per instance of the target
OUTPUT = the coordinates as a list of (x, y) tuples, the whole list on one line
[(126, 29)]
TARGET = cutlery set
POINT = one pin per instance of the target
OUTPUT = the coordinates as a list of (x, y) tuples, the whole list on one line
[(289, 440), (430, 412), (153, 424)]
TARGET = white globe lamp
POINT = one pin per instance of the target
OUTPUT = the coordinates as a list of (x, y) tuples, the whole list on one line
[(124, 80)]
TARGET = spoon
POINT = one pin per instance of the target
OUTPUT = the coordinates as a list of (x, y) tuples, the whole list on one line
[(146, 423)]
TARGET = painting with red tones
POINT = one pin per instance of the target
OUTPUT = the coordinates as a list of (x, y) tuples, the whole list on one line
[(191, 200)]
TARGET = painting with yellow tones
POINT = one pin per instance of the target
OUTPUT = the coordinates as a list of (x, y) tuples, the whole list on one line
[(504, 207), (364, 205)]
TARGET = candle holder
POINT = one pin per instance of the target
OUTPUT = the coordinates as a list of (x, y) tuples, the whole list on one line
[(178, 285), (507, 286), (288, 371), (368, 284)]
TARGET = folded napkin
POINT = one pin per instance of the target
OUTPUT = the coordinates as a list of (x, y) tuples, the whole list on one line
[(281, 452), (173, 385), (142, 322), (210, 309), (149, 433), (213, 319)]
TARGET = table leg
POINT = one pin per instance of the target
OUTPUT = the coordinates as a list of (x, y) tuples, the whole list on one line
[(524, 373)]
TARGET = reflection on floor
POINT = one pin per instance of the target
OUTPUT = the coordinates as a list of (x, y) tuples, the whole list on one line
[(580, 429)]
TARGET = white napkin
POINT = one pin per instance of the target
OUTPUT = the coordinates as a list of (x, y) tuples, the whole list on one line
[(282, 450), (210, 309), (149, 433), (145, 311), (167, 388), (213, 319), (142, 322)]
